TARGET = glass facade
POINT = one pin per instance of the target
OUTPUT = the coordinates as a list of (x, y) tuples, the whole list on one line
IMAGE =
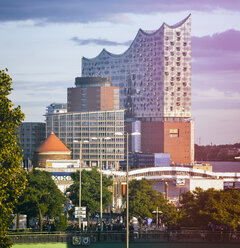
[(31, 135), (154, 74), (96, 130)]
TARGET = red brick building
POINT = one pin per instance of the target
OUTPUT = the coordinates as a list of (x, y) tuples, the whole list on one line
[(168, 137), (93, 94)]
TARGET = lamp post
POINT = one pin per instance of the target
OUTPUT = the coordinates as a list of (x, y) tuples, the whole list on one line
[(100, 168), (127, 203), (80, 176), (157, 212)]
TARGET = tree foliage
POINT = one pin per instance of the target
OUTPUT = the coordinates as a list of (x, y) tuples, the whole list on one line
[(90, 193), (220, 207), (12, 177), (143, 200), (217, 152), (41, 197)]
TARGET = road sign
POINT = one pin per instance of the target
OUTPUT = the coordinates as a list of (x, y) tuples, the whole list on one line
[(80, 215), (80, 208), (80, 212)]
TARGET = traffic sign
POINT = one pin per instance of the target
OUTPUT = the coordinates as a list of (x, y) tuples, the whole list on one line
[(78, 216), (80, 212), (80, 208)]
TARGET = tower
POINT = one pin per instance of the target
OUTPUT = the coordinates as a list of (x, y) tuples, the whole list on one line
[(154, 76)]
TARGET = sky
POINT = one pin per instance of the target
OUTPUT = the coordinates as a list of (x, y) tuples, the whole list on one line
[(42, 43)]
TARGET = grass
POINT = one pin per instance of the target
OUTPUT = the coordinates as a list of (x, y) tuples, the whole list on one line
[(132, 245)]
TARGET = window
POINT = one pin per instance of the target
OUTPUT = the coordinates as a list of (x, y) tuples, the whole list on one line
[(174, 133)]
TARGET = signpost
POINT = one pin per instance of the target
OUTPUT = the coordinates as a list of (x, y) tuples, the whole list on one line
[(80, 212)]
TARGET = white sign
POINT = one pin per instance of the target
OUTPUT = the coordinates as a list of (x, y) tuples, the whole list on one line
[(80, 208), (80, 212), (80, 215)]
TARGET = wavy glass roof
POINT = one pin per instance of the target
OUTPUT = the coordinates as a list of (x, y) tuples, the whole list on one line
[(140, 31)]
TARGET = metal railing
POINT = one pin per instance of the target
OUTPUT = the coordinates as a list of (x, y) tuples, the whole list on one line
[(113, 236)]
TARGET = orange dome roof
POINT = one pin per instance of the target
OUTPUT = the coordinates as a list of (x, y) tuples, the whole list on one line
[(52, 144)]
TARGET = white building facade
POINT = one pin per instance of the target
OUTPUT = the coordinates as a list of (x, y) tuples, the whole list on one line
[(154, 73), (96, 130)]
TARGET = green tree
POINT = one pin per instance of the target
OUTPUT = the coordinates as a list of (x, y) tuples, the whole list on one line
[(90, 194), (61, 223), (12, 177), (221, 207), (143, 200), (41, 197)]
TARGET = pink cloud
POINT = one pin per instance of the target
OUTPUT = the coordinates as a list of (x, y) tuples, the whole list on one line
[(217, 44), (219, 52), (216, 67)]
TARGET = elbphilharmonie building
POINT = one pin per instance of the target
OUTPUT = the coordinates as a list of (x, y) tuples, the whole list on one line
[(154, 76)]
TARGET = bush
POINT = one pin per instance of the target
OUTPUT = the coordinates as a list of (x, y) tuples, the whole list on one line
[(61, 223)]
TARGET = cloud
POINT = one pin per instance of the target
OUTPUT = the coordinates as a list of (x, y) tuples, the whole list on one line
[(83, 11), (213, 98), (216, 62), (217, 45), (100, 42)]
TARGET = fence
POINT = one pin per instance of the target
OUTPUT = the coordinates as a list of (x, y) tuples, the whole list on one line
[(170, 236)]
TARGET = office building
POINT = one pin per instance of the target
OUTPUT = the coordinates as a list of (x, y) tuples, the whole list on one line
[(92, 94), (54, 108), (145, 160), (31, 135), (96, 130), (154, 76)]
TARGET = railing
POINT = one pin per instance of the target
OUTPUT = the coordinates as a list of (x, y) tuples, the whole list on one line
[(153, 236)]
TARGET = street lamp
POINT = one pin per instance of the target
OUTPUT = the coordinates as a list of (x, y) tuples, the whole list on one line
[(80, 175), (157, 212), (100, 168), (127, 205)]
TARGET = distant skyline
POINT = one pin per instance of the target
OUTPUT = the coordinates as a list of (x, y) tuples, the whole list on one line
[(42, 43)]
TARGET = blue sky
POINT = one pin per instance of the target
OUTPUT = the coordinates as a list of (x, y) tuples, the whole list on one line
[(42, 43)]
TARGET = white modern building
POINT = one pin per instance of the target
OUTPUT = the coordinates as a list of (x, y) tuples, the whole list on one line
[(154, 76), (97, 132), (154, 73)]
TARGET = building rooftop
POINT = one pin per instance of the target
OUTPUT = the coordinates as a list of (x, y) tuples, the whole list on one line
[(52, 143), (93, 81)]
